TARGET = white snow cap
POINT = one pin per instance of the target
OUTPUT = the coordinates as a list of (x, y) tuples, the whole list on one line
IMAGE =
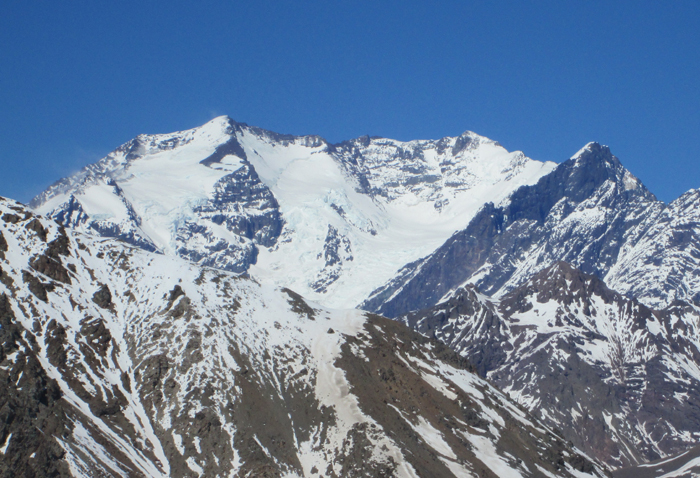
[(588, 147)]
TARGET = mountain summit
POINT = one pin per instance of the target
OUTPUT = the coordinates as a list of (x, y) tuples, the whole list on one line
[(331, 221)]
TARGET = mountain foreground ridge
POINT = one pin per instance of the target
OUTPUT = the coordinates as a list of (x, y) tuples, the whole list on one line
[(120, 362)]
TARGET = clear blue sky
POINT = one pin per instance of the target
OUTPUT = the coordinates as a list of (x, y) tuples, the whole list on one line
[(79, 78)]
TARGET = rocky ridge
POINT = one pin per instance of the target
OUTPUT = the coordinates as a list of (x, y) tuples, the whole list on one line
[(619, 379)]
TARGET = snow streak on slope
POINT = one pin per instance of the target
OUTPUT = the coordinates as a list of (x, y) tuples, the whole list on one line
[(664, 264), (331, 221), (684, 465), (129, 363), (615, 376)]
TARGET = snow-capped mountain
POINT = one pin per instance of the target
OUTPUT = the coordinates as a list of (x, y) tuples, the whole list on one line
[(120, 362), (619, 379), (590, 212), (393, 225), (331, 221)]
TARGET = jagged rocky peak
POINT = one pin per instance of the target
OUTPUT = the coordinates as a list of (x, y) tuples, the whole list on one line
[(431, 168), (120, 362), (464, 302), (585, 212), (572, 290), (563, 283), (688, 202), (592, 177), (598, 158)]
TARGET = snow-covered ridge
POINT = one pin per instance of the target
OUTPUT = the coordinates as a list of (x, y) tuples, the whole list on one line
[(130, 363), (198, 141), (240, 198), (590, 212)]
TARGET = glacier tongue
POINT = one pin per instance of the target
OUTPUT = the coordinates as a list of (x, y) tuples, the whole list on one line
[(333, 222)]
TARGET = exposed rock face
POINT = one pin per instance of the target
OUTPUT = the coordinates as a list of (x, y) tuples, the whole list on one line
[(103, 297), (662, 264), (613, 375), (3, 246), (336, 251), (31, 410), (146, 365), (246, 209)]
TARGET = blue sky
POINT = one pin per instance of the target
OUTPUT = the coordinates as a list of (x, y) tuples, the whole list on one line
[(79, 78)]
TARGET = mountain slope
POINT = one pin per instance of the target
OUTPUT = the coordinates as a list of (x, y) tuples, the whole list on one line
[(376, 217), (120, 362), (663, 264), (333, 222), (616, 377)]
